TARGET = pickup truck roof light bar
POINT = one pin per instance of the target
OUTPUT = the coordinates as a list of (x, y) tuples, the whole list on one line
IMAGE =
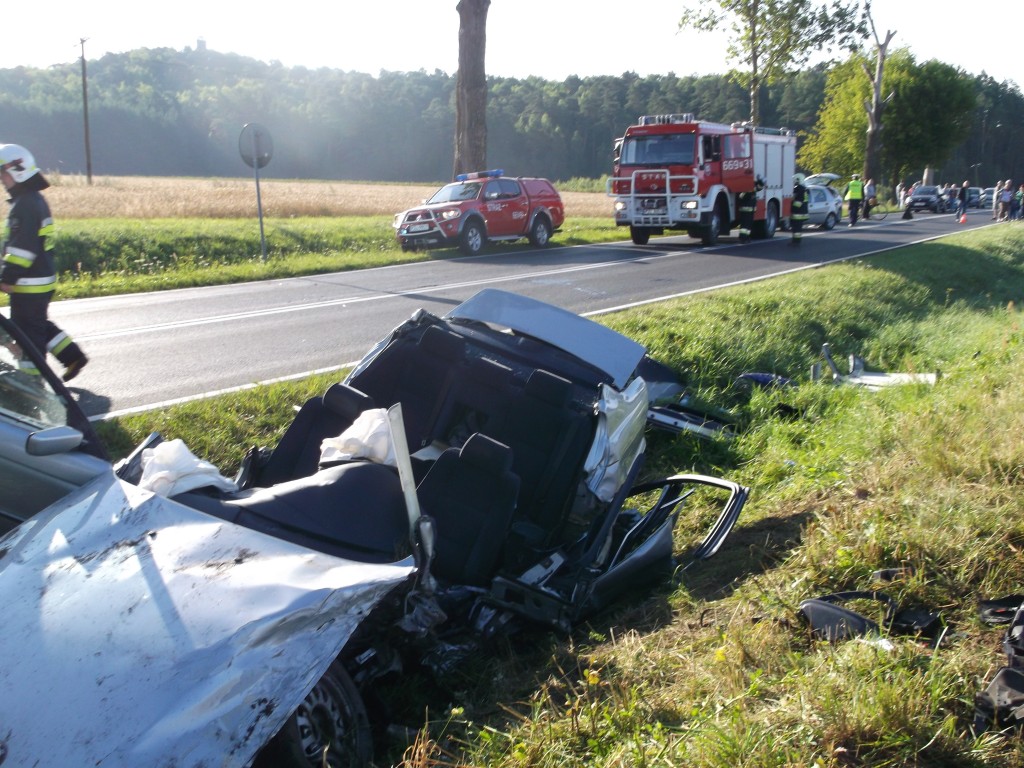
[(480, 175)]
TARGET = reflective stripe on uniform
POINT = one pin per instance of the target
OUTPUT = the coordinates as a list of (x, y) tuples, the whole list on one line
[(35, 284), (46, 232), (27, 366), (58, 343), (19, 256)]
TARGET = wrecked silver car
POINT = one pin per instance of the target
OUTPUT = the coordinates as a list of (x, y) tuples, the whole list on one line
[(474, 474)]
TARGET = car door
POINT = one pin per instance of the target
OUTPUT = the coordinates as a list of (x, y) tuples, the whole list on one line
[(47, 446), (817, 204)]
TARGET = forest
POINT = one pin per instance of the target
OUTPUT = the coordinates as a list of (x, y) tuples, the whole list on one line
[(162, 112)]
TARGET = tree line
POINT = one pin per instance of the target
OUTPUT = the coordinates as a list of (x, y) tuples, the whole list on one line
[(166, 112)]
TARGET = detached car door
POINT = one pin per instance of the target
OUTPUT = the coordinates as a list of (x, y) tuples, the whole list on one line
[(47, 446)]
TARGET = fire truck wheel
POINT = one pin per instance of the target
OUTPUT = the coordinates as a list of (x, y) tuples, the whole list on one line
[(639, 235), (766, 229), (713, 229), (472, 239), (540, 232)]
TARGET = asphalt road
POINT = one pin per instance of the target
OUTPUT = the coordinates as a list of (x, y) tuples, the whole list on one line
[(148, 350)]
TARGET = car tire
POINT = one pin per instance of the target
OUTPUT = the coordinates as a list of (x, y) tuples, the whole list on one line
[(639, 235), (473, 238), (332, 718), (830, 221), (540, 232)]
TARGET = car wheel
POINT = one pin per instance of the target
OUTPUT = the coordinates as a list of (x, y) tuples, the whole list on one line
[(639, 235), (330, 727), (540, 232), (830, 221), (472, 239)]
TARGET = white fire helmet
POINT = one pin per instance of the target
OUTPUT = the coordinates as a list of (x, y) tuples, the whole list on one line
[(18, 162), (798, 178)]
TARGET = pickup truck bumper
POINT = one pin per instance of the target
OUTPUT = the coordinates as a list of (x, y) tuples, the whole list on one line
[(426, 232)]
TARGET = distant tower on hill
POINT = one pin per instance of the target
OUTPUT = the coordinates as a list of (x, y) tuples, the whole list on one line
[(201, 44)]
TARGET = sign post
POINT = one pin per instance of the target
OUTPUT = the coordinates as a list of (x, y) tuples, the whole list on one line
[(256, 148)]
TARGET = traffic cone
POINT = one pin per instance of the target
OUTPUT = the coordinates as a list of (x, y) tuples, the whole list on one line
[(963, 218)]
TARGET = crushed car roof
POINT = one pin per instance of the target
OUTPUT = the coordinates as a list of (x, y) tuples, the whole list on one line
[(609, 351)]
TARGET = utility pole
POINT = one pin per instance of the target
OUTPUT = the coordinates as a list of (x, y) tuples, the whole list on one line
[(85, 114)]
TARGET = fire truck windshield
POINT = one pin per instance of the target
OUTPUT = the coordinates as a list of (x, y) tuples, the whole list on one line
[(455, 193), (658, 150)]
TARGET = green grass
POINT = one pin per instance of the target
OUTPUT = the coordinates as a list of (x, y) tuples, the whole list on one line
[(716, 670)]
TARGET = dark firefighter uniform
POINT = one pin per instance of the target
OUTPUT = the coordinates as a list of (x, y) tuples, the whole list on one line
[(798, 214), (29, 269), (746, 205)]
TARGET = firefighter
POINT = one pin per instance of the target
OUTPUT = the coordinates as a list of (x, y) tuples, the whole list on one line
[(798, 214), (747, 204), (28, 273)]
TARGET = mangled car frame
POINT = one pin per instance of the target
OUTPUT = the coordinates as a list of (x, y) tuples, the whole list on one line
[(216, 627)]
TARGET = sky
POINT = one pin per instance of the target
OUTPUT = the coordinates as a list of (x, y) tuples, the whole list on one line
[(551, 39)]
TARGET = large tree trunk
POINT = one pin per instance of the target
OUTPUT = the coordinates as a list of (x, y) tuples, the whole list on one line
[(874, 106), (471, 88)]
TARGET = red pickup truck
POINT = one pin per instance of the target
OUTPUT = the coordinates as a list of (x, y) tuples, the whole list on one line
[(480, 207)]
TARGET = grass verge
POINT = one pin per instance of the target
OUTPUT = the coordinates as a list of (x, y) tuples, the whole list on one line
[(716, 669)]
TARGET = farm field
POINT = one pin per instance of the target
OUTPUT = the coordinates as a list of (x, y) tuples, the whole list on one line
[(145, 197)]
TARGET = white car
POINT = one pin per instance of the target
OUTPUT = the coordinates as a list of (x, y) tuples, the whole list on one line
[(824, 203), (474, 472)]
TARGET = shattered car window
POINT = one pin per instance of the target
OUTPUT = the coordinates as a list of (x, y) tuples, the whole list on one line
[(26, 397)]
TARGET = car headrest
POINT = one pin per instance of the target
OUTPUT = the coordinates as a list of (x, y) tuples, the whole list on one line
[(346, 401)]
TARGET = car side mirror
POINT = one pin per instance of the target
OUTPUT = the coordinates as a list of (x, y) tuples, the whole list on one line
[(52, 441)]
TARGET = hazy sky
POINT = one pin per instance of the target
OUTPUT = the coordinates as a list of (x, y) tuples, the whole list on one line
[(548, 38)]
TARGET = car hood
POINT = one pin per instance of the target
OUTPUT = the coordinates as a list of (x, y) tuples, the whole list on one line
[(138, 631)]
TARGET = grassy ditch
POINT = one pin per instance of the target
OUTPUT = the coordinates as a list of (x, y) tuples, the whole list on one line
[(716, 669)]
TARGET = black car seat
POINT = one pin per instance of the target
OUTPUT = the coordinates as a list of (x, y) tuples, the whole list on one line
[(298, 452), (470, 492)]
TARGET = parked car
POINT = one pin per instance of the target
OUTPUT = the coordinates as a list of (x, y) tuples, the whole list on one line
[(988, 197), (974, 197), (474, 474), (47, 446), (482, 207), (927, 198), (824, 203)]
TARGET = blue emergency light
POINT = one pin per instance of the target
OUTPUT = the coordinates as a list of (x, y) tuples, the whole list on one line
[(480, 175)]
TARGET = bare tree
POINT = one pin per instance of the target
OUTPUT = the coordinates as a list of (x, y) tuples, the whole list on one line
[(875, 105), (771, 37), (471, 87)]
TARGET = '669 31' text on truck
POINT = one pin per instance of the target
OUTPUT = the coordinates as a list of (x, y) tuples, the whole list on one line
[(676, 172), (481, 207)]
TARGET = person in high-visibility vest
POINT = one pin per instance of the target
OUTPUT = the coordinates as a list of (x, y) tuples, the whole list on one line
[(798, 212), (854, 197), (28, 274)]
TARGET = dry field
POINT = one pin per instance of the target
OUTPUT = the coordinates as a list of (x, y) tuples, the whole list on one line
[(164, 197)]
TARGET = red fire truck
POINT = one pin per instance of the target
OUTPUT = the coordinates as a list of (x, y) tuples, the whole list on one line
[(677, 172)]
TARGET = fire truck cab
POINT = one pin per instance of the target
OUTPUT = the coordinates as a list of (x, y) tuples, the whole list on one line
[(676, 172)]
